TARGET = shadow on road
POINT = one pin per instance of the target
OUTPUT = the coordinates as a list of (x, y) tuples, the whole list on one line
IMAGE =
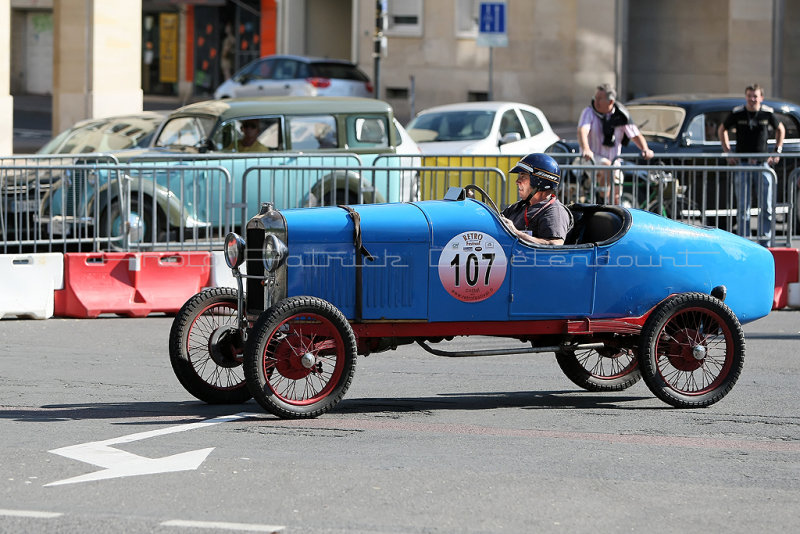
[(171, 413)]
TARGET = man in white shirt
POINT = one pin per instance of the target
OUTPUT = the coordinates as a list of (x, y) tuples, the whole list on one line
[(603, 128)]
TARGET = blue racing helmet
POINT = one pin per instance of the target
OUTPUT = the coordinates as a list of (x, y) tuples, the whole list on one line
[(543, 170)]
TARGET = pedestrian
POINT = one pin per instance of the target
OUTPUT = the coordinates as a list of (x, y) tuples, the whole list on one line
[(751, 122), (228, 53), (603, 128), (539, 217)]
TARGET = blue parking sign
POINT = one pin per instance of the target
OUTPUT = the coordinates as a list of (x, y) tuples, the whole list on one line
[(492, 24)]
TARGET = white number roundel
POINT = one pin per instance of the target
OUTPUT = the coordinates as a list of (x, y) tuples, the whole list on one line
[(472, 266)]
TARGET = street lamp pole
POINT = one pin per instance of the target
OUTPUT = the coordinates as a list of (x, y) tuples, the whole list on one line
[(376, 51)]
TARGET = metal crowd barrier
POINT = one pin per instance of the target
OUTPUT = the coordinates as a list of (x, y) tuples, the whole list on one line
[(702, 184), (88, 208), (331, 186), (190, 202)]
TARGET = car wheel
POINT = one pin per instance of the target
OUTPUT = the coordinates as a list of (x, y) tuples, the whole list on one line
[(608, 369), (206, 349), (300, 358), (691, 350), (112, 223)]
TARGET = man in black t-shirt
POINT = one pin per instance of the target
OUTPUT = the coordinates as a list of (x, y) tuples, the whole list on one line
[(752, 122)]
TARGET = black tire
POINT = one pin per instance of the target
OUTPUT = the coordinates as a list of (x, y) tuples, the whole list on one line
[(206, 350), (691, 351), (340, 196), (608, 369), (295, 329)]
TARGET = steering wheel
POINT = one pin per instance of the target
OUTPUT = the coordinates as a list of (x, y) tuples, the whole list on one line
[(484, 196)]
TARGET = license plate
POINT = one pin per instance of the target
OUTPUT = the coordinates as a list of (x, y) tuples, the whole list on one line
[(23, 206)]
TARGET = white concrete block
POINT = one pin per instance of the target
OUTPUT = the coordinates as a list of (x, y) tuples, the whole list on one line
[(28, 282)]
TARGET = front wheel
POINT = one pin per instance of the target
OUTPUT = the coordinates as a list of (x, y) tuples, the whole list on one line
[(606, 369), (205, 348), (691, 351), (300, 358)]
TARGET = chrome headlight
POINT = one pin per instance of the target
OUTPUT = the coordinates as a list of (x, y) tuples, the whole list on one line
[(274, 253), (234, 250)]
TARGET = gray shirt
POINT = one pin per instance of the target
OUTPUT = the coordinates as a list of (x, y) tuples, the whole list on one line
[(548, 219)]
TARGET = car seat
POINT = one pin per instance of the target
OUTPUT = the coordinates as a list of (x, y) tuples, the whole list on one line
[(594, 224)]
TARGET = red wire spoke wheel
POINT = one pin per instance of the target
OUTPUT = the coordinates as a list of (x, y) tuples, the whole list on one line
[(692, 350), (605, 369), (300, 358), (206, 349)]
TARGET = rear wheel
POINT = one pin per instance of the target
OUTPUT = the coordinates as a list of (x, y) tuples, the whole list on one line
[(300, 358), (206, 348), (606, 369), (691, 351)]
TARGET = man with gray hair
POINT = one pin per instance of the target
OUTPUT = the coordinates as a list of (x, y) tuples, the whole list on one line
[(604, 127)]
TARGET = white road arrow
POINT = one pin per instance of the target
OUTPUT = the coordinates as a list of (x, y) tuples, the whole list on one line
[(117, 463)]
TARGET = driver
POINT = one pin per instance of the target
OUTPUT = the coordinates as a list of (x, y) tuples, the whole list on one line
[(539, 217)]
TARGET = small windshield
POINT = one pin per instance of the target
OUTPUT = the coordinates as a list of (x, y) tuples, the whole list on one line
[(105, 135), (451, 126), (188, 132), (658, 121)]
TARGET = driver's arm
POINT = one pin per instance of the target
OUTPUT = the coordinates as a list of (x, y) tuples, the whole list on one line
[(524, 236)]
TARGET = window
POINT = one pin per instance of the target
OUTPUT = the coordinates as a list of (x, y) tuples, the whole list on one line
[(185, 131), (533, 122), (312, 132), (367, 132), (467, 15), (237, 135), (789, 122), (510, 123), (404, 17), (259, 70), (285, 69)]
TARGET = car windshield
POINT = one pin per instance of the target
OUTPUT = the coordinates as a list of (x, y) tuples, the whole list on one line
[(104, 136), (185, 132), (451, 126), (658, 121)]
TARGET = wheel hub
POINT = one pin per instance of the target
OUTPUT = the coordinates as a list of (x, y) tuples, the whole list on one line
[(684, 353), (225, 347), (308, 360), (294, 357)]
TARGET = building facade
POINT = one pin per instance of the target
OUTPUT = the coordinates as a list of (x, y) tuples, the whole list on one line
[(99, 57)]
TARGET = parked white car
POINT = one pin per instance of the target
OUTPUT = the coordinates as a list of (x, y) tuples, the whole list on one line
[(288, 75), (482, 128)]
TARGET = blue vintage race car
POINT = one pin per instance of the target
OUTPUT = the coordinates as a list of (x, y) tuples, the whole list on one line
[(630, 295)]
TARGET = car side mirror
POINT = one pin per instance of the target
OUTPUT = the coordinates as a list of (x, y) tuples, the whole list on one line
[(243, 78), (686, 139), (510, 137)]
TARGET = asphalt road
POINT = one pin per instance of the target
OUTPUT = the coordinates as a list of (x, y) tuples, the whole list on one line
[(419, 444)]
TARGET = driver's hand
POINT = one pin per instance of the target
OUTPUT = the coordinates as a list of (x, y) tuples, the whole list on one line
[(508, 223)]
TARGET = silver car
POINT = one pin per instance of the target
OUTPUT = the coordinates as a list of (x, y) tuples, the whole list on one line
[(286, 75)]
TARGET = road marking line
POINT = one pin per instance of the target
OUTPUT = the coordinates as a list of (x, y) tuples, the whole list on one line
[(250, 527), (118, 463), (30, 513)]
